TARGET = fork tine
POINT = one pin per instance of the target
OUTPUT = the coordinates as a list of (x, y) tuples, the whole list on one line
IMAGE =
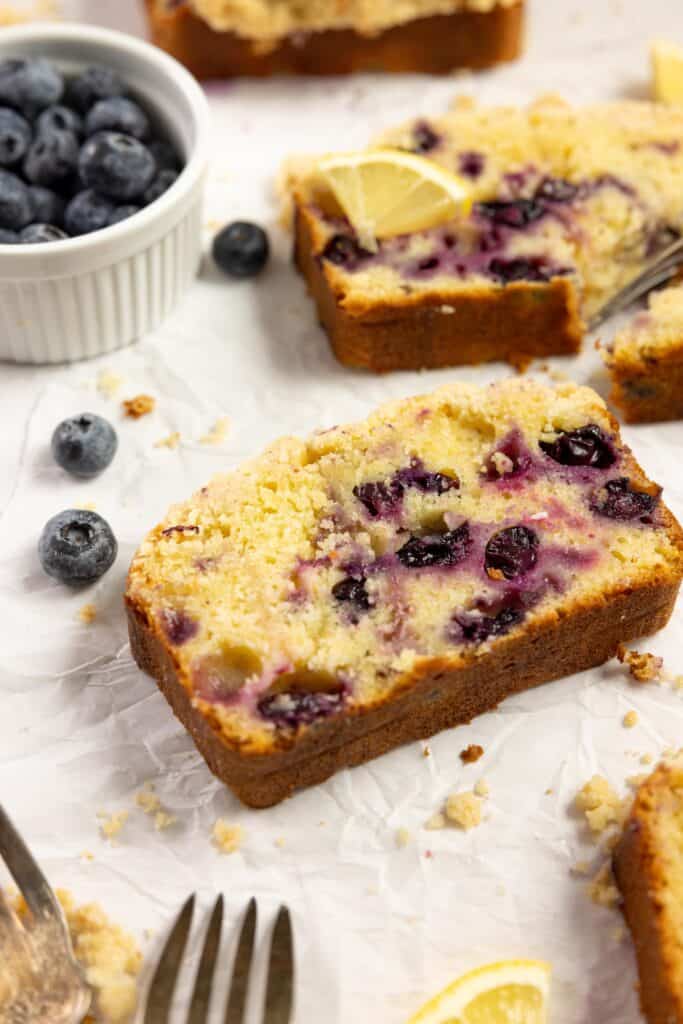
[(165, 976), (280, 984), (201, 995), (31, 881), (662, 268), (239, 985)]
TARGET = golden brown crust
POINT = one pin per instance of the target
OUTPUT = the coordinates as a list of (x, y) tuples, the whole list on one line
[(443, 697), (649, 392), (434, 45), (641, 878), (516, 323)]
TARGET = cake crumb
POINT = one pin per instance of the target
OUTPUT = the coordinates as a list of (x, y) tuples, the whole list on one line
[(464, 810), (163, 820), (108, 384), (633, 781), (602, 888), (436, 822), (87, 855), (87, 506), (502, 463), (630, 719), (582, 867), (403, 837), (645, 668), (646, 759), (42, 9), (172, 441), (600, 804), (111, 825), (228, 838), (280, 842), (140, 405), (218, 432), (426, 751), (482, 788), (471, 754), (87, 613), (148, 800)]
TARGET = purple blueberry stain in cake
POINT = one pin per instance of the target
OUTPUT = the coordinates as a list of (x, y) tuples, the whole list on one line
[(415, 475), (425, 139), (344, 251), (352, 591), (477, 627), (517, 213), (533, 269), (510, 459), (661, 238), (557, 190), (180, 528), (381, 498), (618, 500), (178, 626), (511, 553), (669, 148), (471, 164), (444, 549), (585, 446), (294, 708)]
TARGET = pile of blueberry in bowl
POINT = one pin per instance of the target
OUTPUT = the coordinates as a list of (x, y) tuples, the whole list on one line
[(77, 153)]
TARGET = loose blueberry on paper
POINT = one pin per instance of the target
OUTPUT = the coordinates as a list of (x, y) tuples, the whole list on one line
[(77, 547), (84, 445), (76, 154), (241, 249)]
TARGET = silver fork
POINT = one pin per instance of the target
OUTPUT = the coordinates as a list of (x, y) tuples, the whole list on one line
[(279, 985), (40, 979), (662, 268)]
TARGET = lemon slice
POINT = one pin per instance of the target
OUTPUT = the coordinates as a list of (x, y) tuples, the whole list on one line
[(667, 67), (387, 192), (509, 992)]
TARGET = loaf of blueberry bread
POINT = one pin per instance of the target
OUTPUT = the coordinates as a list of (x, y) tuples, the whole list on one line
[(379, 582), (568, 204), (648, 866), (645, 361), (220, 38)]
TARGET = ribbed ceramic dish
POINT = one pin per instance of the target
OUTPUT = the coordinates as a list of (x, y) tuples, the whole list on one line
[(86, 296)]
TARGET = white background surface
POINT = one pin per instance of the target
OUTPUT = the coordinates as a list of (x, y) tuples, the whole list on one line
[(378, 928)]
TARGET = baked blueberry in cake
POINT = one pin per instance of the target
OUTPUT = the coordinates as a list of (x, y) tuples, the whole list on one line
[(568, 204), (378, 582), (648, 866), (645, 361), (219, 38)]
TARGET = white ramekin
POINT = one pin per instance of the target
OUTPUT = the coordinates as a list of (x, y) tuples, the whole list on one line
[(90, 295)]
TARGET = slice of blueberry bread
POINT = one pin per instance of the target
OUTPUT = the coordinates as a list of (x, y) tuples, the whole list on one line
[(648, 866), (645, 361), (379, 582), (568, 204)]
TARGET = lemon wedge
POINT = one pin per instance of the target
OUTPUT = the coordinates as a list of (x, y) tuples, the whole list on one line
[(667, 68), (508, 992), (387, 192)]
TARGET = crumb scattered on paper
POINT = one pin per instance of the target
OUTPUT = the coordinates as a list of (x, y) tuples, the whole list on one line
[(471, 754), (228, 838), (464, 810), (218, 432), (87, 613), (280, 842), (633, 781), (140, 405), (645, 668), (88, 506), (482, 788), (108, 384), (602, 888), (172, 441), (87, 855), (403, 837), (112, 824), (436, 822), (630, 719), (601, 805), (646, 759), (150, 803)]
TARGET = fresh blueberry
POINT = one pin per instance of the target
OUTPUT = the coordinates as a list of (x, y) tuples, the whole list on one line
[(59, 118), (48, 207), (117, 165), (512, 552), (618, 500), (29, 85), (120, 213), (117, 114), (557, 190), (298, 707), (520, 269), (241, 249), (471, 163), (344, 251), (160, 184), (8, 237), (477, 628), (380, 498), (37, 233), (354, 592), (425, 139), (15, 136), (84, 445), (415, 475), (77, 546), (51, 159), (91, 85), (16, 210), (586, 446), (88, 211), (516, 213), (165, 156), (441, 549)]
